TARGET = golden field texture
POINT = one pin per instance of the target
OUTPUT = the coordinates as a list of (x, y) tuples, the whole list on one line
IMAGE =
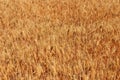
[(59, 39)]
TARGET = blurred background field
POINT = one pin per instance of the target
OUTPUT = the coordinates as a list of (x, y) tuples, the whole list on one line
[(59, 39)]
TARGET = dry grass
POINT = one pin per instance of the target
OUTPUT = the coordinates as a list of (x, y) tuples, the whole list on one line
[(59, 39)]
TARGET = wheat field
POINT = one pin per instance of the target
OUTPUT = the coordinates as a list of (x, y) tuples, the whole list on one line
[(59, 39)]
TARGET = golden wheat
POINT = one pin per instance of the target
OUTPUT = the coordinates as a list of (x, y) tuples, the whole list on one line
[(59, 39)]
